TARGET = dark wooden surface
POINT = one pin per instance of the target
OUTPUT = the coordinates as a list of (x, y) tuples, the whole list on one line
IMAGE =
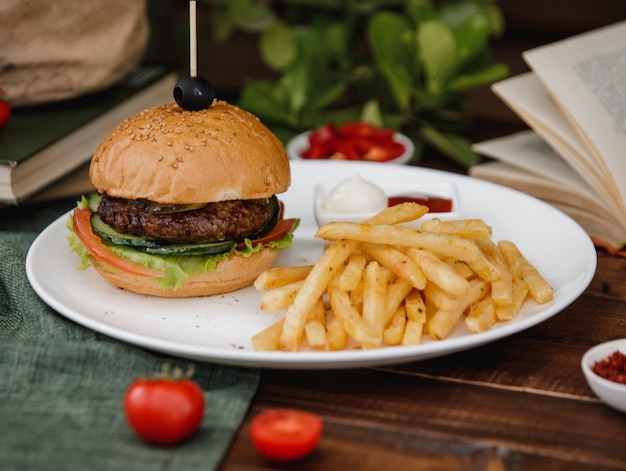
[(520, 403)]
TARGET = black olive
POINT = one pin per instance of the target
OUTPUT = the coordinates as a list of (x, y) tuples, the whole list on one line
[(194, 93)]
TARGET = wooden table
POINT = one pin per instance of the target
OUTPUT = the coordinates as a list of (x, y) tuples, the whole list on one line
[(520, 403)]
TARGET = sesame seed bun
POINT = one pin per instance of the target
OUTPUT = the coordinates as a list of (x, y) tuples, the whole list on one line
[(168, 155), (234, 273)]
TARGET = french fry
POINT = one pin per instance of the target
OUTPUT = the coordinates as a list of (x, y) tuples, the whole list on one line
[(352, 274), (315, 332), (269, 338), (416, 318), (538, 288), (396, 293), (312, 289), (482, 315), (467, 228), (442, 245), (415, 307), (374, 293), (443, 321), (280, 276), (352, 322), (393, 333), (280, 298), (397, 262), (440, 298), (438, 271), (501, 288), (336, 335), (315, 327), (399, 213), (392, 285), (413, 332), (518, 296)]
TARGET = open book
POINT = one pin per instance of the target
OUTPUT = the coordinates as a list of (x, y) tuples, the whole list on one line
[(574, 155)]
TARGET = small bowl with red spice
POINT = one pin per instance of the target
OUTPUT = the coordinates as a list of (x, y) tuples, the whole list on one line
[(356, 141), (604, 367)]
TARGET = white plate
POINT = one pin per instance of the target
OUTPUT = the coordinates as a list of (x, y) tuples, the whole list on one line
[(219, 328)]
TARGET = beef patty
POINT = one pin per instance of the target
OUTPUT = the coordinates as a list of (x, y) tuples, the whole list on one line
[(224, 220)]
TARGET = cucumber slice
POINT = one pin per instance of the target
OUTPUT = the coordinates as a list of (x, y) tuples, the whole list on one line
[(210, 248), (106, 232)]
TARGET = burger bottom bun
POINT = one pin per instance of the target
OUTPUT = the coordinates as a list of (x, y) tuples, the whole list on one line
[(231, 274)]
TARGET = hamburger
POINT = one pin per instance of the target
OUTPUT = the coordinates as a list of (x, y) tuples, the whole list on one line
[(185, 202)]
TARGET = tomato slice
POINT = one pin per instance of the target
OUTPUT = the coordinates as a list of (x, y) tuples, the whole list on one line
[(280, 230), (94, 245), (286, 434)]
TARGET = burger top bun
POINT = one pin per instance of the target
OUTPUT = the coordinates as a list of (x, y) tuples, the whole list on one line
[(171, 156)]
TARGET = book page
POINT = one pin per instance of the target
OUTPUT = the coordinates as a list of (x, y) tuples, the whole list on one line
[(585, 74), (527, 151), (585, 209), (527, 96)]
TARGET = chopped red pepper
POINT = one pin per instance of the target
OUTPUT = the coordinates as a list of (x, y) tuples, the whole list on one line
[(612, 368), (353, 141)]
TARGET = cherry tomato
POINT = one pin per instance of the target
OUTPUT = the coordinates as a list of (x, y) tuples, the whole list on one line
[(5, 109), (286, 434), (164, 411)]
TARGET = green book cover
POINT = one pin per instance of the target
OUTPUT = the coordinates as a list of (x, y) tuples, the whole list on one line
[(32, 129)]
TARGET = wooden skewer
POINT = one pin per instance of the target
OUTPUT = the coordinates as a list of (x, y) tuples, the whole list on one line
[(193, 54)]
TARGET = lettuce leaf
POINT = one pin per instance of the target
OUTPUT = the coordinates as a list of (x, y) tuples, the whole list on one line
[(176, 268)]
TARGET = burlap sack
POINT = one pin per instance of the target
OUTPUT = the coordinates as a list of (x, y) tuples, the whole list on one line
[(53, 50)]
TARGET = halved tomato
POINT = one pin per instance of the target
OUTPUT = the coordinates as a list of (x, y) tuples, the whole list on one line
[(286, 434)]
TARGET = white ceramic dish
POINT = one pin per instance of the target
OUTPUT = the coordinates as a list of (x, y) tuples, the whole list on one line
[(611, 393), (397, 187), (300, 143), (219, 328)]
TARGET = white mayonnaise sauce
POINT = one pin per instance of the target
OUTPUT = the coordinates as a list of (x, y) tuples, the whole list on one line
[(355, 195)]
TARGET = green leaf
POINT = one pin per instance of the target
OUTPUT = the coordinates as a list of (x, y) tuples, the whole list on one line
[(386, 33), (420, 11), (278, 46), (490, 74), (250, 15), (264, 99), (458, 148), (471, 37), (326, 96), (390, 39), (400, 83), (371, 113), (439, 53)]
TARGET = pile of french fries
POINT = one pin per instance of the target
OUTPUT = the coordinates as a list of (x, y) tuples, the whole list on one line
[(380, 283)]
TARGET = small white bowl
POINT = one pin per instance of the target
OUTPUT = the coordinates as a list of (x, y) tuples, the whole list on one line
[(413, 188), (612, 393), (298, 144)]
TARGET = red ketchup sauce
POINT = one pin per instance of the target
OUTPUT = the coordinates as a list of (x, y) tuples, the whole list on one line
[(435, 204)]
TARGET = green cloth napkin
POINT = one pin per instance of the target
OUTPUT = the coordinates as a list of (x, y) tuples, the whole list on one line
[(62, 385)]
